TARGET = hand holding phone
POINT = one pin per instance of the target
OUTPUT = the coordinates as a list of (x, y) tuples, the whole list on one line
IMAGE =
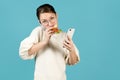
[(70, 33)]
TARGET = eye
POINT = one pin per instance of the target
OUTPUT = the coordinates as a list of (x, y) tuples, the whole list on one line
[(52, 18), (44, 21)]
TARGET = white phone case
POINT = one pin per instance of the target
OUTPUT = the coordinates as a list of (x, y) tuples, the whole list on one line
[(70, 32)]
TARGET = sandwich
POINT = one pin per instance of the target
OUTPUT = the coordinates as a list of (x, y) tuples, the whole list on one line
[(55, 29)]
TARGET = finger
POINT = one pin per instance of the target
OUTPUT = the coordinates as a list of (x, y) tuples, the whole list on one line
[(66, 41), (50, 32), (68, 37), (50, 28), (66, 44)]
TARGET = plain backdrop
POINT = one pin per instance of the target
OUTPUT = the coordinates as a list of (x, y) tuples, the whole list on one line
[(97, 36)]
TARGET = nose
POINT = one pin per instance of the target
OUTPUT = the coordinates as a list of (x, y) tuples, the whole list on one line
[(50, 24)]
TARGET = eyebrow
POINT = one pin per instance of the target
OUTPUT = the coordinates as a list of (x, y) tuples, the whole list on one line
[(49, 17)]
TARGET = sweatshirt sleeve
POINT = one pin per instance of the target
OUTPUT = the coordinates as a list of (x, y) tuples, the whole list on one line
[(27, 43)]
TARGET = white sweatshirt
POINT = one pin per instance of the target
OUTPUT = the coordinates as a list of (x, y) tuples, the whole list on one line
[(51, 61)]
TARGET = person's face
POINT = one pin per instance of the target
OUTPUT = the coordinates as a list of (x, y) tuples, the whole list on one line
[(48, 19)]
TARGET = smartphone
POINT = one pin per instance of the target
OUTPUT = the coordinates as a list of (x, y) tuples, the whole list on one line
[(70, 32)]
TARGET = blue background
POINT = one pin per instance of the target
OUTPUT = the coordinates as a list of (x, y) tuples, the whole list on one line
[(97, 24)]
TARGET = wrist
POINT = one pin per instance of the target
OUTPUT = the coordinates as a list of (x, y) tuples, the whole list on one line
[(45, 43)]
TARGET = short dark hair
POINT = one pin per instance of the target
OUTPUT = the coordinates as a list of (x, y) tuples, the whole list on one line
[(45, 8)]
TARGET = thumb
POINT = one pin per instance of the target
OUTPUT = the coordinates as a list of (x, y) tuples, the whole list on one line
[(68, 37)]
